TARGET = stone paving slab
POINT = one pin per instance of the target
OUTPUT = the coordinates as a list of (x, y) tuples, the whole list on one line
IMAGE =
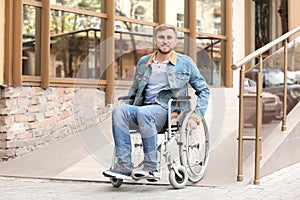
[(283, 184)]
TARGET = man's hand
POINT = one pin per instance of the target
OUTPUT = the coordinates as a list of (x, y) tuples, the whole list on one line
[(174, 116), (192, 124), (173, 120)]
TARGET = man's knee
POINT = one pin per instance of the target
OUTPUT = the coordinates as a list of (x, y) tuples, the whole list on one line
[(118, 110), (143, 114)]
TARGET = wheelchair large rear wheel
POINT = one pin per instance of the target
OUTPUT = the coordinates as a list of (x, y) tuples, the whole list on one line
[(193, 149)]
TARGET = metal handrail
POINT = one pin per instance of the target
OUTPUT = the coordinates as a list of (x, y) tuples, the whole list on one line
[(263, 49), (242, 95)]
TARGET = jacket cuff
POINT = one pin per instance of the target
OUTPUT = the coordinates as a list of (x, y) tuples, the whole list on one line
[(174, 115), (196, 117)]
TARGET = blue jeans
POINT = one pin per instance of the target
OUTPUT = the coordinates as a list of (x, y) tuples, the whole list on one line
[(149, 119)]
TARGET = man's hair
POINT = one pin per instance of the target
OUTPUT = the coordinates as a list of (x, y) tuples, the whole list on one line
[(164, 27)]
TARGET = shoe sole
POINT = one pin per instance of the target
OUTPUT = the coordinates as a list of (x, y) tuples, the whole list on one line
[(150, 176), (117, 176)]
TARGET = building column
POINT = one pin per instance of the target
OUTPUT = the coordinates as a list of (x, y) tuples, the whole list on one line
[(17, 43), (110, 51), (8, 42), (45, 43), (228, 62), (159, 11), (190, 14)]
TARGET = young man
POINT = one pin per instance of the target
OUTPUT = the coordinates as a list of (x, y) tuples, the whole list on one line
[(158, 77)]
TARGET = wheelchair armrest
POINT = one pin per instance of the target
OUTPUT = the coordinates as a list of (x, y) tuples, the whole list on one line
[(126, 98), (181, 98)]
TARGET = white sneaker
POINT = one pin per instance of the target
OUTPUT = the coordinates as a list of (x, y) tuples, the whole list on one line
[(144, 171)]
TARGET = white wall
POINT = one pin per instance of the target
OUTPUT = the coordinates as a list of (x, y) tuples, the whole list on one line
[(238, 26)]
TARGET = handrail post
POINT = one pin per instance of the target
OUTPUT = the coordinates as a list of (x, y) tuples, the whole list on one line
[(241, 126), (258, 123), (283, 126)]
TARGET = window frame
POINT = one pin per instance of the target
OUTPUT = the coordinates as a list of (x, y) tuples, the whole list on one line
[(13, 46)]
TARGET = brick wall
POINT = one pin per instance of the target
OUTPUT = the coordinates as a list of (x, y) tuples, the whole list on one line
[(31, 117)]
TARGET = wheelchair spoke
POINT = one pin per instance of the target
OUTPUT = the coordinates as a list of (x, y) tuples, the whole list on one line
[(194, 151)]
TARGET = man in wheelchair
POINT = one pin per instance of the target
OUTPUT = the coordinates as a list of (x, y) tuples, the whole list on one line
[(158, 77)]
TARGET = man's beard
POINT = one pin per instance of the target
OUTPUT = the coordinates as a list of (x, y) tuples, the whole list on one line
[(164, 52)]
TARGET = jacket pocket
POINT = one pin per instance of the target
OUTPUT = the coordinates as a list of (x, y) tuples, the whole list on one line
[(181, 79)]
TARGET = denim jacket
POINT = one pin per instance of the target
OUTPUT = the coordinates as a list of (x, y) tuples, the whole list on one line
[(181, 70)]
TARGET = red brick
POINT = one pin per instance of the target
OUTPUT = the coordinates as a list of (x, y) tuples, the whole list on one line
[(64, 115), (23, 101), (34, 101), (33, 125), (50, 113), (51, 97), (21, 118), (6, 119), (47, 122), (7, 136), (69, 90), (68, 97), (25, 135), (33, 109), (60, 92)]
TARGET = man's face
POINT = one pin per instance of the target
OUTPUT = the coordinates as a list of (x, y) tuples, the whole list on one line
[(165, 41)]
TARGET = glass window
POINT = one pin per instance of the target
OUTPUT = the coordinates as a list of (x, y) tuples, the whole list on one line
[(135, 9), (130, 45), (175, 13), (93, 5), (209, 59), (31, 41), (209, 16), (74, 42)]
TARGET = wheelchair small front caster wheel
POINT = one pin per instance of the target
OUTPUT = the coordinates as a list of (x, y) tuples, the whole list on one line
[(179, 180), (116, 182)]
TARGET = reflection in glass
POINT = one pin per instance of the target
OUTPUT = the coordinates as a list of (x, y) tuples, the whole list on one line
[(135, 9), (74, 38), (175, 12), (130, 46), (209, 16), (93, 5), (31, 41), (209, 59)]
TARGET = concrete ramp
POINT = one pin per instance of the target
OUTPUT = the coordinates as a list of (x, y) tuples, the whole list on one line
[(83, 156), (281, 148)]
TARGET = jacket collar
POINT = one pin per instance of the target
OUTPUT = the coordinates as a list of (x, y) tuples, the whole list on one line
[(172, 58)]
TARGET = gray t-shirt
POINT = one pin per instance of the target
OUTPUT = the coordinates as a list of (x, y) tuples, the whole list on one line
[(157, 81)]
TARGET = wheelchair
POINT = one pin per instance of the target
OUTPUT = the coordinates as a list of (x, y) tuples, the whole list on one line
[(192, 147)]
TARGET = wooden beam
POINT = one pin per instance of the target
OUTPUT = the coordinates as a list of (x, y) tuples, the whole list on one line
[(8, 42), (45, 44), (228, 62), (17, 43), (110, 51)]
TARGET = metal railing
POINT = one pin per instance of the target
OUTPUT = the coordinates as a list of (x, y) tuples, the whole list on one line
[(258, 136)]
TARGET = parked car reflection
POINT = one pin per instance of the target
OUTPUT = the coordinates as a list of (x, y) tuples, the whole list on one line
[(273, 81), (272, 105)]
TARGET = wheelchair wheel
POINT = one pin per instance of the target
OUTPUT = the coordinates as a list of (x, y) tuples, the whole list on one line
[(177, 181), (116, 182), (193, 150)]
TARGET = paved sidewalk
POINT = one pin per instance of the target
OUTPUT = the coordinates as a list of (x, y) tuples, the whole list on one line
[(283, 184)]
